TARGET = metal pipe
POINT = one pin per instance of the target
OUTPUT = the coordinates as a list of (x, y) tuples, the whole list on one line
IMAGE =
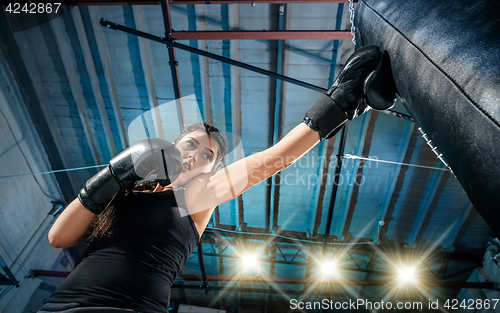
[(11, 279), (167, 42), (57, 208), (202, 268), (461, 272), (308, 281), (263, 35), (263, 290), (340, 268), (210, 55), (37, 273), (173, 63), (181, 2), (343, 282), (276, 128), (254, 1), (336, 178), (472, 256)]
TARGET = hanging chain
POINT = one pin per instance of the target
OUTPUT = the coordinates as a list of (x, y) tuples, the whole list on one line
[(351, 19), (434, 148)]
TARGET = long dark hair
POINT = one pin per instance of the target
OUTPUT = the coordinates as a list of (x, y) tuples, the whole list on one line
[(103, 224)]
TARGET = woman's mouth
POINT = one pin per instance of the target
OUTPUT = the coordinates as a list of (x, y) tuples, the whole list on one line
[(186, 166)]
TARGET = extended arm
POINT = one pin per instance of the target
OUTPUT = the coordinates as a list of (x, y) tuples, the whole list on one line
[(211, 189), (344, 100)]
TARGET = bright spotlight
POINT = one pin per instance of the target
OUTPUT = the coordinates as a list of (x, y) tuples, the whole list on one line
[(407, 275), (249, 262), (328, 269)]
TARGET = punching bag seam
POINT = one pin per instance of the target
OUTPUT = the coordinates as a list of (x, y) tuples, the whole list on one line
[(497, 123)]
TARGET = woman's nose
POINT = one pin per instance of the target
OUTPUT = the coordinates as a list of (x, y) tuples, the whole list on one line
[(191, 156)]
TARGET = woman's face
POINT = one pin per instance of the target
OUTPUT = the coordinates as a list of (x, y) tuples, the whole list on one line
[(198, 152)]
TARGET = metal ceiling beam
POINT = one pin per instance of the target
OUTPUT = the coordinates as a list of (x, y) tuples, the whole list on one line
[(165, 8), (66, 53), (254, 1), (443, 276), (471, 255), (324, 146), (210, 55), (342, 282), (276, 125), (302, 281), (318, 210), (147, 68), (456, 226), (407, 134), (220, 269), (36, 80), (204, 67), (202, 267), (444, 268), (236, 121), (322, 170), (205, 83), (308, 264), (182, 2), (171, 43), (271, 247), (108, 74), (276, 130), (94, 81), (261, 290), (339, 231), (263, 35), (307, 288), (336, 177), (369, 266), (351, 204), (350, 186), (424, 206)]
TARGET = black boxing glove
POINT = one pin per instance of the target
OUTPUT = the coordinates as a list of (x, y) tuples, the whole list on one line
[(379, 88), (134, 163), (345, 99)]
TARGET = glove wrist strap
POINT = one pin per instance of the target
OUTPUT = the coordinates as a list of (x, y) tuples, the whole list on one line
[(326, 117), (99, 190)]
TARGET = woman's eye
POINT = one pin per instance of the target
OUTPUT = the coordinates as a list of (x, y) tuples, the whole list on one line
[(208, 157), (190, 144)]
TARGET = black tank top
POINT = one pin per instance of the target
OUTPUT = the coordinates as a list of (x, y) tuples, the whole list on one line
[(136, 266)]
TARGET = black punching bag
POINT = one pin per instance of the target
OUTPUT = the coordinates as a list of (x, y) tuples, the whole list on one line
[(445, 59)]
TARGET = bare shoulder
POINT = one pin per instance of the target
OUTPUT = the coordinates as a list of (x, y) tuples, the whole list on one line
[(199, 193)]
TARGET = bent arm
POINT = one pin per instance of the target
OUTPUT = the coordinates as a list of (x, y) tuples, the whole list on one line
[(209, 190), (71, 226)]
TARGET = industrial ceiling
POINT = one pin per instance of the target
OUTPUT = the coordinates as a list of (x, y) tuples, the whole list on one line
[(84, 82)]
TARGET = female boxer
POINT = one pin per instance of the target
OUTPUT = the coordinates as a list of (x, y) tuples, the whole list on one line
[(131, 265)]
